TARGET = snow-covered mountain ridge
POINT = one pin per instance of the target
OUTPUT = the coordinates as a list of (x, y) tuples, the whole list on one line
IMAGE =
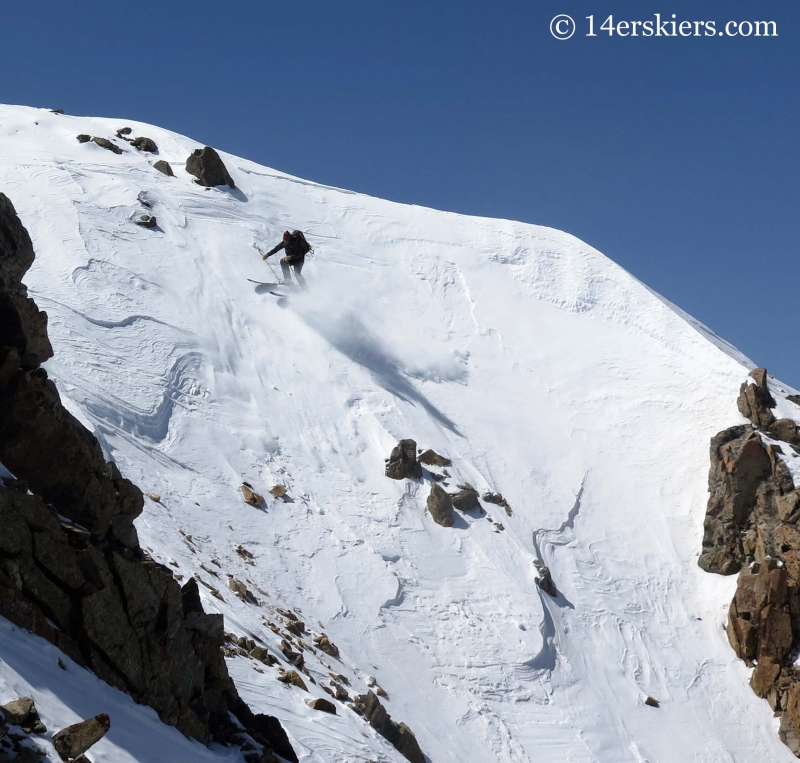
[(544, 371)]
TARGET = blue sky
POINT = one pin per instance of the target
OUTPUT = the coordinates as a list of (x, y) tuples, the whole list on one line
[(676, 157)]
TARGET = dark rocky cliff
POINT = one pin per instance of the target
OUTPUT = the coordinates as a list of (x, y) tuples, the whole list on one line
[(71, 568), (751, 527)]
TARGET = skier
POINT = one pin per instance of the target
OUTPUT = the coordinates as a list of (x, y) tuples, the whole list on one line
[(296, 248)]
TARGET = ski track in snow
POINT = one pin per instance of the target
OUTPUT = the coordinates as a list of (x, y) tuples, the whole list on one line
[(542, 369)]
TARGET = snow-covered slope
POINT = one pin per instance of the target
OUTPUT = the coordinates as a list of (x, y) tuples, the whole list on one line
[(541, 368)]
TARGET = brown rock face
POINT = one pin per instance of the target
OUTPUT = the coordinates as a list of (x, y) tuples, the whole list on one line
[(747, 485), (403, 462), (397, 734), (440, 506), (751, 524), (205, 164), (88, 587), (760, 620), (76, 739), (755, 400)]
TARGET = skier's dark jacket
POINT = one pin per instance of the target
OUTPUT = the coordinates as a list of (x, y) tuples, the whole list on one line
[(294, 249)]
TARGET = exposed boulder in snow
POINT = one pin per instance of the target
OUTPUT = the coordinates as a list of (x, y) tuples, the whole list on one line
[(251, 497), (397, 733), (207, 166), (545, 579), (324, 644), (74, 740), (466, 499), (106, 143), (293, 677), (147, 221), (440, 506), (278, 491), (403, 462), (263, 655), (294, 657), (241, 590), (498, 500), (83, 138), (296, 627), (22, 712), (324, 705), (18, 746), (123, 131), (785, 430), (755, 400), (164, 167), (145, 144), (432, 458)]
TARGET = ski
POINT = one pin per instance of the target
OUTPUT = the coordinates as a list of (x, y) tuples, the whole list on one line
[(264, 283)]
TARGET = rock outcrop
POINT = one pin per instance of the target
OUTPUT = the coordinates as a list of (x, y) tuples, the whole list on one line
[(440, 506), (750, 488), (397, 734), (755, 400), (403, 462), (751, 528), (71, 568), (207, 166)]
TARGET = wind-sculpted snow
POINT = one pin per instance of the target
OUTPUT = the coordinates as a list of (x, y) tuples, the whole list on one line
[(544, 371)]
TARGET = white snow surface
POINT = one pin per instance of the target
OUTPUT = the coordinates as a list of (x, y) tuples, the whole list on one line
[(542, 369)]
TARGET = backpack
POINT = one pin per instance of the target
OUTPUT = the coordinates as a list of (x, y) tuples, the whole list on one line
[(301, 242)]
